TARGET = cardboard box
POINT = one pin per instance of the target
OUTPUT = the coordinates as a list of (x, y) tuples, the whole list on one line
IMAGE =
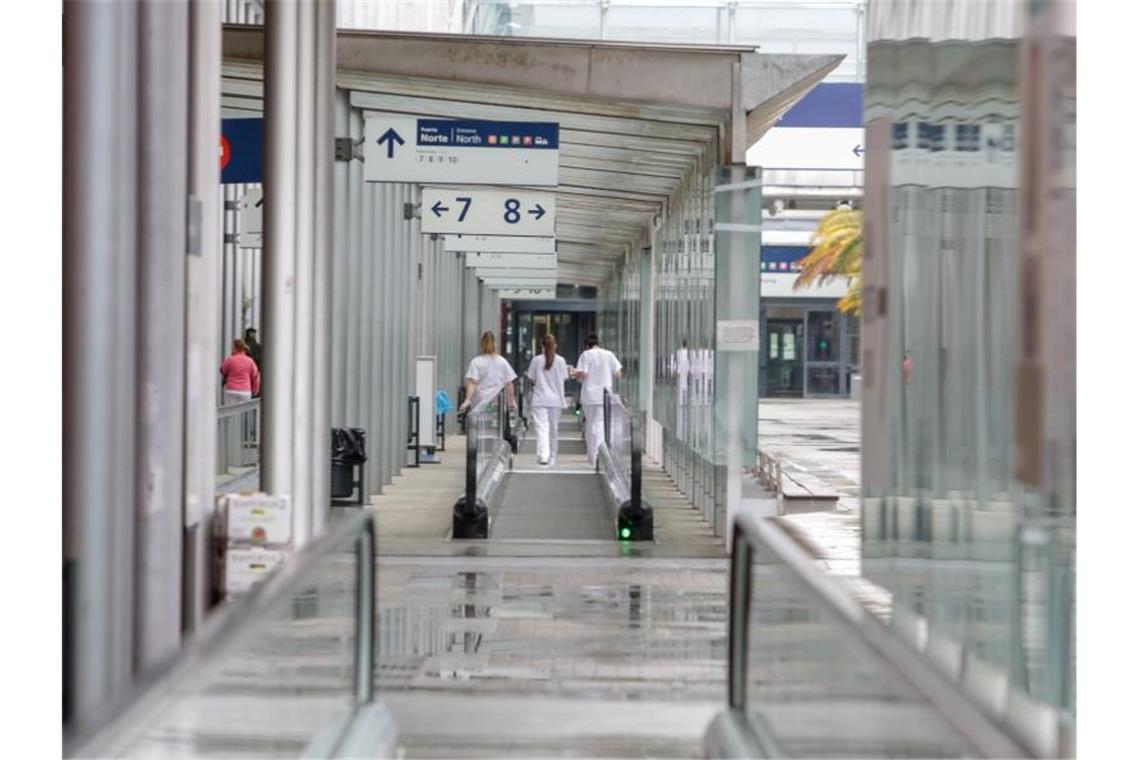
[(240, 568), (255, 520)]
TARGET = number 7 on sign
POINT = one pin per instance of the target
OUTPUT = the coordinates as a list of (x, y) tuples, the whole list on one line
[(466, 201)]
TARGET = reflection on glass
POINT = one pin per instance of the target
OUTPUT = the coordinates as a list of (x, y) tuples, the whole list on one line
[(950, 526)]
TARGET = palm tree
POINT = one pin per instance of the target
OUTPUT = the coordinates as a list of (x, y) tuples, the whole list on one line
[(837, 252)]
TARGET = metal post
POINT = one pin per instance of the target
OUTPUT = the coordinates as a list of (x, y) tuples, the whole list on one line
[(202, 306), (303, 400), (99, 351), (365, 613), (324, 248), (739, 609), (280, 243), (162, 177)]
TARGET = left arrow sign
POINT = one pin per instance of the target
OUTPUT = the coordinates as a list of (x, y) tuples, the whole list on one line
[(438, 208), (391, 137)]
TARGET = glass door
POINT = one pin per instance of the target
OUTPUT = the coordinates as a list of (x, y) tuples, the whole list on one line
[(822, 366), (785, 344)]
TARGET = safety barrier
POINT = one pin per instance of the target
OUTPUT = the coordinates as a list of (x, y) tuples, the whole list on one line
[(619, 462), (238, 458), (490, 430), (811, 671), (177, 702)]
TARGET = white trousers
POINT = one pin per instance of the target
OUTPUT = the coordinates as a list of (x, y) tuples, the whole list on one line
[(595, 430), (546, 431)]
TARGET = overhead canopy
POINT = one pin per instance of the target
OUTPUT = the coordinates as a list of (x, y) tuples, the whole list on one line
[(636, 121)]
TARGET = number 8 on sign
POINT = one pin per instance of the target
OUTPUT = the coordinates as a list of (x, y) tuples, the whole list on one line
[(511, 215)]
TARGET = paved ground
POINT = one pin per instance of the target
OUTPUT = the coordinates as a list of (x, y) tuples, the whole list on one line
[(821, 437)]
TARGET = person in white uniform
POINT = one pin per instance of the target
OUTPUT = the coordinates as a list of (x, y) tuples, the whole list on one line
[(597, 369), (487, 374), (548, 372)]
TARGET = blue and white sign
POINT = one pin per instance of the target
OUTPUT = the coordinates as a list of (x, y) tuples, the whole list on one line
[(399, 148), (487, 212), (511, 262), (242, 150), (498, 244), (823, 131)]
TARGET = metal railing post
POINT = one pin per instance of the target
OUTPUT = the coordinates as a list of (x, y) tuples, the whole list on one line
[(635, 462), (472, 463), (365, 612), (740, 602), (606, 417)]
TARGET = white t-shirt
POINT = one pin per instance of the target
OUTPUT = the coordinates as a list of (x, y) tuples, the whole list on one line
[(490, 373), (549, 384), (600, 367), (682, 368)]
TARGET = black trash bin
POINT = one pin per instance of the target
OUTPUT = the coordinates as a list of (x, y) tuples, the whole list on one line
[(348, 446)]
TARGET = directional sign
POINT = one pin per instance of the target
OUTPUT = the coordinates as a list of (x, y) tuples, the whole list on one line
[(498, 244), (512, 261), (488, 212), (526, 275), (400, 148), (536, 281), (527, 294), (249, 218)]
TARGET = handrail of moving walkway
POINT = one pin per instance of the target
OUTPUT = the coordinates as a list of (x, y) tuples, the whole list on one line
[(230, 626), (750, 535)]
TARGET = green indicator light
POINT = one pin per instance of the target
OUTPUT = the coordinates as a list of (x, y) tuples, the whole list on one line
[(625, 532)]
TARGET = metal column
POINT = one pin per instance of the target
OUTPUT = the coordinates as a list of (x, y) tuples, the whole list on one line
[(325, 219), (202, 306), (99, 290), (303, 400), (280, 245), (162, 179)]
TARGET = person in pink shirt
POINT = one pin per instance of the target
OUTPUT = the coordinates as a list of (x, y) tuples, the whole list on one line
[(239, 371)]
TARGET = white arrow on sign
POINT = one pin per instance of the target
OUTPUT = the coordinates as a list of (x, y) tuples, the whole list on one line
[(498, 244), (512, 261), (487, 212), (249, 218), (400, 148)]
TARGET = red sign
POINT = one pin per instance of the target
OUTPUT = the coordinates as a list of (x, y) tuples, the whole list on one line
[(224, 152)]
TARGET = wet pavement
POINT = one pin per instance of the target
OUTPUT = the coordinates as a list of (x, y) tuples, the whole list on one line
[(822, 438)]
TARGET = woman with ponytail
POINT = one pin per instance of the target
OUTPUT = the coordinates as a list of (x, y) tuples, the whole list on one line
[(548, 372)]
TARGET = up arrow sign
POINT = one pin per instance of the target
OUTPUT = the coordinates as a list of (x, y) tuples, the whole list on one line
[(391, 137)]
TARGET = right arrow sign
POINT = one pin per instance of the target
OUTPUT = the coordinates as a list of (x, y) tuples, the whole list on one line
[(471, 211)]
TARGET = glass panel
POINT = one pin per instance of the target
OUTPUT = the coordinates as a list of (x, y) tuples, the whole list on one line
[(951, 526), (655, 24), (821, 691), (292, 668), (821, 337)]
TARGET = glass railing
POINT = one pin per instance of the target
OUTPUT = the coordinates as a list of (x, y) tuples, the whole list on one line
[(238, 457), (489, 427), (284, 671), (814, 673), (619, 462)]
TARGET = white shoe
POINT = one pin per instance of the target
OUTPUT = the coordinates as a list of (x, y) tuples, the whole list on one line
[(542, 462)]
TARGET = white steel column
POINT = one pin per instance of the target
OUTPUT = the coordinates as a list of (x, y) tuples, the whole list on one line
[(324, 248), (280, 244), (162, 179), (202, 305), (303, 400), (99, 351)]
